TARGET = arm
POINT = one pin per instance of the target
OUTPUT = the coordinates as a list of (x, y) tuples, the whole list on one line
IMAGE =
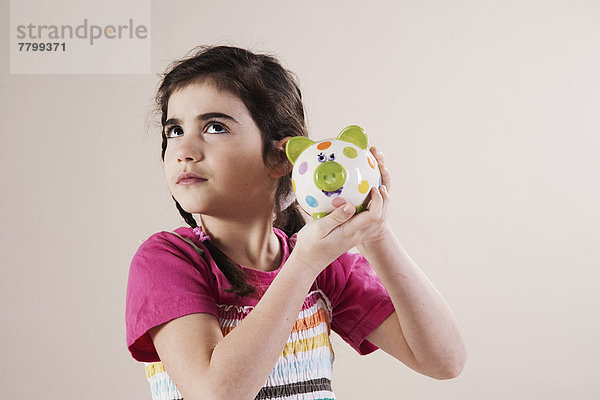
[(206, 365), (422, 332)]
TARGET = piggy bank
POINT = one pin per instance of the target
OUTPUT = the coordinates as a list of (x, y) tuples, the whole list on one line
[(330, 171)]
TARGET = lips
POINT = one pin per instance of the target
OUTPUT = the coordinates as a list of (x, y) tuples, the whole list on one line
[(189, 177), (190, 181)]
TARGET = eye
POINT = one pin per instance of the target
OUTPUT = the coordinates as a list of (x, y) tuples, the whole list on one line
[(170, 130), (220, 126), (331, 157), (177, 131), (321, 157)]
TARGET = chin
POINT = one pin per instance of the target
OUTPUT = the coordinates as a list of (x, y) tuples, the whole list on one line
[(198, 208), (194, 208)]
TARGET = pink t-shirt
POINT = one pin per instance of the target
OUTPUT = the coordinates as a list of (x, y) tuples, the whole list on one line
[(169, 278)]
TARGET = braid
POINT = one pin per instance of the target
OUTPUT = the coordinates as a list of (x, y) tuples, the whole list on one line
[(234, 274), (189, 219)]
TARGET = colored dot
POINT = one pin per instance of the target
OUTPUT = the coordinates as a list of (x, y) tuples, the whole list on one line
[(303, 167), (350, 152), (379, 180), (311, 201), (363, 186), (371, 164), (294, 185), (338, 201), (323, 146)]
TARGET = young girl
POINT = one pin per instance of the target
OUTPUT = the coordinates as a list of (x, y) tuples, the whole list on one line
[(242, 306)]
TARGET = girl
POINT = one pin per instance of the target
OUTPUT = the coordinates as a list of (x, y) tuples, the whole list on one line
[(242, 306)]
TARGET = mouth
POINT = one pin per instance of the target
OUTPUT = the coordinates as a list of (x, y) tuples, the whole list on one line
[(188, 178), (191, 181), (336, 192)]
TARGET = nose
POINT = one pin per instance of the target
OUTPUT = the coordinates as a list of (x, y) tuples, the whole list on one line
[(189, 149), (330, 176)]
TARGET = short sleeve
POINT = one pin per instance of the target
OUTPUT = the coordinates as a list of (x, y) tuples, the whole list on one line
[(167, 279), (360, 304)]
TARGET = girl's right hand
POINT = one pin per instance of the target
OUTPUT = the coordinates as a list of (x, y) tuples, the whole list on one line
[(322, 241)]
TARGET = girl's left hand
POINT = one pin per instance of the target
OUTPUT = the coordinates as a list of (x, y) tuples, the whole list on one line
[(372, 224)]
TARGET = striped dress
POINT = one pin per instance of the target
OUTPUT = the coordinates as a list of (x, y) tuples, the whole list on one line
[(304, 368), (169, 279)]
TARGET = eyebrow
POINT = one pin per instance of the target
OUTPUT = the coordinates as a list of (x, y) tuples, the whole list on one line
[(202, 117)]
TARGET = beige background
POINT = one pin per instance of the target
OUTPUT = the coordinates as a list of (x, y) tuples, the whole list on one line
[(487, 112)]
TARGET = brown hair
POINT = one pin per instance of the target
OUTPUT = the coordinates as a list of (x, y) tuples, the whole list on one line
[(273, 98)]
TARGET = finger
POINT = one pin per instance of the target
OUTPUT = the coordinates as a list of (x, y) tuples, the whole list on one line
[(386, 197), (366, 218), (337, 217), (377, 154), (373, 208), (373, 151), (386, 178), (383, 170), (376, 202)]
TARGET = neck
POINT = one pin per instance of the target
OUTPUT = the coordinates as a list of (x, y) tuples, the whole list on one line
[(250, 242)]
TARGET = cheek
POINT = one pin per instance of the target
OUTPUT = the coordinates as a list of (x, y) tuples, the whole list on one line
[(168, 174), (246, 174), (243, 164), (168, 158), (170, 166)]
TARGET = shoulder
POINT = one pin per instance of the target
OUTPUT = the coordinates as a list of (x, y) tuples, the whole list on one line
[(167, 248), (162, 238), (169, 241), (168, 279), (166, 263)]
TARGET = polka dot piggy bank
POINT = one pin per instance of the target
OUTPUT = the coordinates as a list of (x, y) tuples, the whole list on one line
[(327, 172)]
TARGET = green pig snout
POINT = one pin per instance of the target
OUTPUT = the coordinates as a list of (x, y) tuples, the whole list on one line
[(330, 176)]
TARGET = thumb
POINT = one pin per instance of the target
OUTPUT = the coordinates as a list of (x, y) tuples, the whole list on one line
[(337, 217)]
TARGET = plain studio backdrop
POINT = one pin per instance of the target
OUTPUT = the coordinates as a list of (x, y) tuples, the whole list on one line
[(487, 113)]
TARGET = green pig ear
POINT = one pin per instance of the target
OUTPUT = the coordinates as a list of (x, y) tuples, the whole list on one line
[(295, 146), (354, 134)]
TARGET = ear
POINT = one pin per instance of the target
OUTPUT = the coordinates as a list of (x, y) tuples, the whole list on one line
[(296, 145), (354, 134), (283, 167), (280, 144)]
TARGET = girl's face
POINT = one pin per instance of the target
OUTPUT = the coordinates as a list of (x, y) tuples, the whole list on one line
[(212, 134)]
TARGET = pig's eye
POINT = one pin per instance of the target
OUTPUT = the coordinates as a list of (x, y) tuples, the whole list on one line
[(321, 157), (331, 157)]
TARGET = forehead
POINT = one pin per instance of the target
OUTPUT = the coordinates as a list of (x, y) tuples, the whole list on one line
[(196, 98)]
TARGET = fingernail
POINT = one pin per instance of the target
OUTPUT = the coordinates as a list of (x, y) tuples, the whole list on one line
[(347, 208)]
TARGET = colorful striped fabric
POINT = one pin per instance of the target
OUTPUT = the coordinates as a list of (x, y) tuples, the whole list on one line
[(305, 366)]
